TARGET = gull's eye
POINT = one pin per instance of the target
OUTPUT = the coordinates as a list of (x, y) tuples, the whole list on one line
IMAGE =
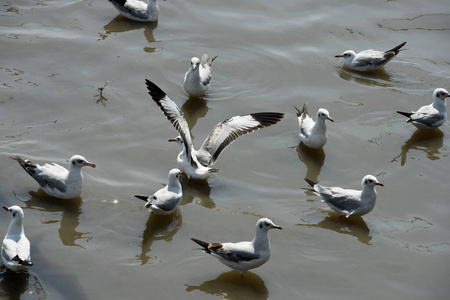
[(80, 161)]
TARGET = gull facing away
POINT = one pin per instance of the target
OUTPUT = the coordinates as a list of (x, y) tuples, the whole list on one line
[(55, 180), (196, 164), (349, 202), (430, 116), (198, 77), (313, 134), (137, 10), (16, 246), (243, 256), (369, 60), (166, 200)]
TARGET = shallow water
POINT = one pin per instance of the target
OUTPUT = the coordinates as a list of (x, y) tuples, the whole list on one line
[(55, 54)]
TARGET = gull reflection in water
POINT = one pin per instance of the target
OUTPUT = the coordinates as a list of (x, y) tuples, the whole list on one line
[(198, 189), (194, 109), (373, 78), (428, 141), (71, 210), (313, 159), (355, 226), (18, 285), (231, 285), (121, 24), (159, 228)]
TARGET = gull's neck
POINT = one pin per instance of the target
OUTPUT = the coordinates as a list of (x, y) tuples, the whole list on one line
[(440, 104), (320, 124), (261, 239), (74, 173), (16, 226)]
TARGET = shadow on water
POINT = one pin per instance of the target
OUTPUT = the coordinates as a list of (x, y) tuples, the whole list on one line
[(313, 159), (231, 285), (121, 24), (20, 285), (159, 228), (355, 226), (427, 141), (71, 210), (373, 78)]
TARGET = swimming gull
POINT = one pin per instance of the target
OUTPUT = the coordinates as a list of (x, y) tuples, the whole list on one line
[(349, 202), (243, 256), (198, 77), (166, 200), (430, 116), (313, 134), (369, 60), (16, 246), (55, 180)]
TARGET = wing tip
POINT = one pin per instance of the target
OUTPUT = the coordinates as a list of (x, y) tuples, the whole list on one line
[(155, 91)]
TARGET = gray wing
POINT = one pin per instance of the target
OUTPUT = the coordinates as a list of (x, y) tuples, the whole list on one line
[(426, 115), (173, 114), (46, 175), (372, 61), (206, 63), (232, 255), (166, 205), (226, 132), (342, 199)]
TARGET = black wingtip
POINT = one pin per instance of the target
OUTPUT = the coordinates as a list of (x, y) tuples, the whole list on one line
[(397, 48), (406, 114), (154, 91), (268, 118), (144, 198), (310, 182), (201, 243)]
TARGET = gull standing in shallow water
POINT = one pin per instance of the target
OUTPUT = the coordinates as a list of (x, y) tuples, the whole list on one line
[(198, 77), (243, 256), (349, 202), (16, 246), (369, 60), (313, 134), (137, 10), (166, 200), (55, 180), (430, 116), (196, 164)]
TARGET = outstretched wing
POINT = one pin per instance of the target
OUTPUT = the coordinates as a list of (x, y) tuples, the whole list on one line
[(224, 133), (173, 114)]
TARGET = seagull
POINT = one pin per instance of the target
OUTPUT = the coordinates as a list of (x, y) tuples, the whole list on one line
[(313, 134), (243, 256), (430, 116), (196, 80), (369, 60), (137, 10), (196, 164), (349, 202), (166, 200), (16, 246), (55, 180)]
